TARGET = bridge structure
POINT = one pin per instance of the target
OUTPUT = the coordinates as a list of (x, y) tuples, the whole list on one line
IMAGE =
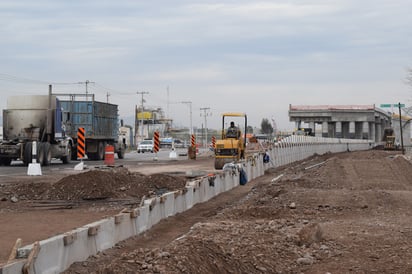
[(343, 121)]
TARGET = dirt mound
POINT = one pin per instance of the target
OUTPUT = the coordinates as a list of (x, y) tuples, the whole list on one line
[(96, 184)]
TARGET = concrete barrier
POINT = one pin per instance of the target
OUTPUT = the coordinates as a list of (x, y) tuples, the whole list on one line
[(59, 252)]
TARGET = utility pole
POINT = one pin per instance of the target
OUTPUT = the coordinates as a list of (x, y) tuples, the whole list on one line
[(205, 114), (189, 103), (107, 96), (136, 125), (168, 103), (87, 82), (400, 124), (142, 93)]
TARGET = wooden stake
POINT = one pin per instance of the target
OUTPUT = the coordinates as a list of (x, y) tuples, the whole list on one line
[(13, 253)]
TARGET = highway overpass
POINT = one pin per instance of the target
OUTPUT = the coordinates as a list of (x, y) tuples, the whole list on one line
[(349, 121)]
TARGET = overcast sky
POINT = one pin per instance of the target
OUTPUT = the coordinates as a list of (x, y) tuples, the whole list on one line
[(247, 56)]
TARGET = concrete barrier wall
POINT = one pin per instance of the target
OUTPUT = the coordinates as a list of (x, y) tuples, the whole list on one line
[(59, 252)]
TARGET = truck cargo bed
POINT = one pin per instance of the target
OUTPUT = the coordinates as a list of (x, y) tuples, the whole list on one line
[(100, 120)]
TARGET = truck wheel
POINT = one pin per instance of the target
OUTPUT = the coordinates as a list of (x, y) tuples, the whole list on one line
[(73, 153), (47, 154), (100, 151), (66, 159), (40, 153), (6, 161), (27, 156), (219, 163)]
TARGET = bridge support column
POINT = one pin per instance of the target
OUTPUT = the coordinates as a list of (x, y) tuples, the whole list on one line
[(338, 129), (312, 126), (297, 125), (365, 130), (379, 132), (325, 129), (352, 130)]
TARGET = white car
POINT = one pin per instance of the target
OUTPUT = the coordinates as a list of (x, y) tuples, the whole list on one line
[(145, 146)]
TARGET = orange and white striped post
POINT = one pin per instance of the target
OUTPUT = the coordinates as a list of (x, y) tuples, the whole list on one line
[(81, 148), (213, 143), (156, 143), (192, 148), (193, 140), (81, 143)]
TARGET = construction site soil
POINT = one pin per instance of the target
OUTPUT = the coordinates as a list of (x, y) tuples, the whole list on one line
[(335, 213)]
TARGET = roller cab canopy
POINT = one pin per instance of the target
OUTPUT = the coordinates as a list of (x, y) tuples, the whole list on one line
[(234, 114)]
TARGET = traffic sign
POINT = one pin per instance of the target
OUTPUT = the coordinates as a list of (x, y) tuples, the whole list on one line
[(392, 105)]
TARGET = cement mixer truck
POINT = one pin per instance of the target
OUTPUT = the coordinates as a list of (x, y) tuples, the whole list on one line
[(53, 123)]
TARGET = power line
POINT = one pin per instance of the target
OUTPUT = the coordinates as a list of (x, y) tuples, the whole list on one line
[(21, 80)]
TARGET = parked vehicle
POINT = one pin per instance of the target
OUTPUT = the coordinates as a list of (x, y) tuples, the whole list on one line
[(179, 143), (170, 142)]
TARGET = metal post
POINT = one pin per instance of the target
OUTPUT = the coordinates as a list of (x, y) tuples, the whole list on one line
[(34, 166), (34, 152)]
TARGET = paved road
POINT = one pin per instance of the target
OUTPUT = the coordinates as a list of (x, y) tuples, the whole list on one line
[(133, 158)]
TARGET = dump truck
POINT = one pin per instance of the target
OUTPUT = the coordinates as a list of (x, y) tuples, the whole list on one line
[(53, 123), (99, 120), (231, 147)]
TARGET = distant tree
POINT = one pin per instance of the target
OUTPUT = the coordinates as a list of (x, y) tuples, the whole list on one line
[(249, 129), (266, 126)]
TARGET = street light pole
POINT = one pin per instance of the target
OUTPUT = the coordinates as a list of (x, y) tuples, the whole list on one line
[(205, 114), (142, 93)]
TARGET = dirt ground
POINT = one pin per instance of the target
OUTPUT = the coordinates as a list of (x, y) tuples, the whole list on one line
[(336, 213), (37, 208)]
